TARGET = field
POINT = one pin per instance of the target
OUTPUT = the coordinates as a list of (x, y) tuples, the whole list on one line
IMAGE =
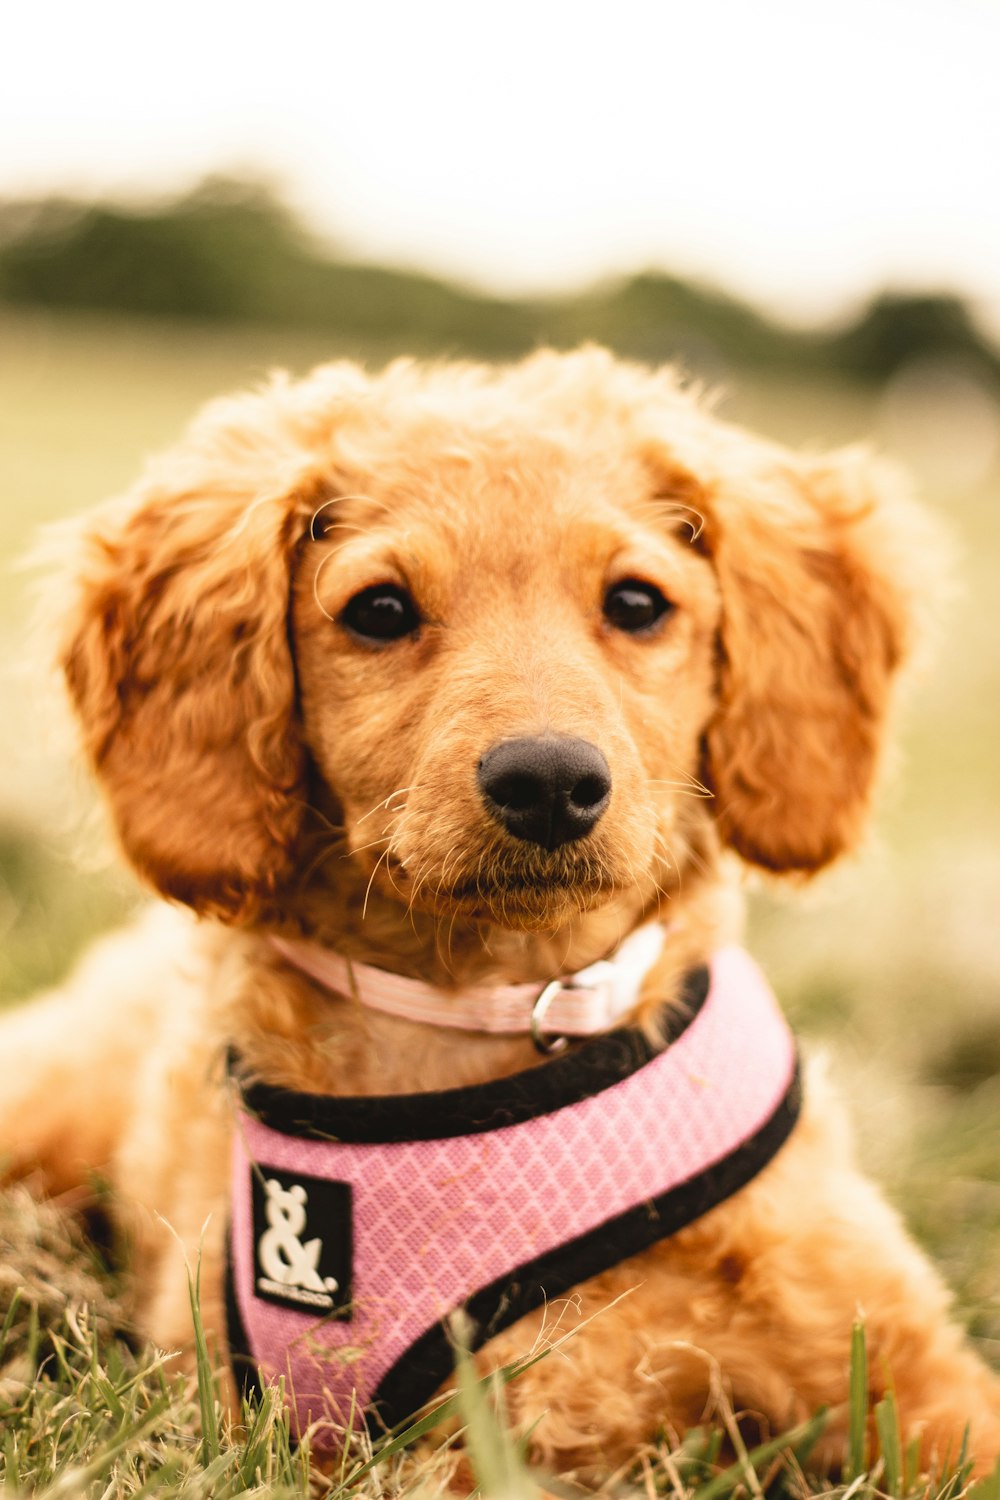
[(892, 965)]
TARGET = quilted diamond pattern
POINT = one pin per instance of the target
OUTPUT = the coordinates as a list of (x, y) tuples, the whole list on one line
[(435, 1220)]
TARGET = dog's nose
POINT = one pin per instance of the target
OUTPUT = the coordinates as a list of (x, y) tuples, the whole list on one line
[(546, 789)]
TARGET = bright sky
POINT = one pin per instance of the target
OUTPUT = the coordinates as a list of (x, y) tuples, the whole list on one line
[(801, 152)]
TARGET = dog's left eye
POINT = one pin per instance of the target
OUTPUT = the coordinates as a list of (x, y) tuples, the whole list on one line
[(383, 612), (635, 607)]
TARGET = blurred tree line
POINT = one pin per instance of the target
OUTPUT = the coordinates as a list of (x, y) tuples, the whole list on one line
[(230, 251)]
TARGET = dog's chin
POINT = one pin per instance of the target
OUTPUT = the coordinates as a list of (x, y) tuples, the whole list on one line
[(520, 897), (525, 906)]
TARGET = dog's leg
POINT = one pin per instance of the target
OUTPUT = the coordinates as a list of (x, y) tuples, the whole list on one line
[(750, 1311), (67, 1064), (809, 1248), (70, 1060), (171, 1174), (179, 1256)]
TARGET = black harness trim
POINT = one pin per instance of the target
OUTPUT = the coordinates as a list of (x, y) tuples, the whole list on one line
[(589, 1068)]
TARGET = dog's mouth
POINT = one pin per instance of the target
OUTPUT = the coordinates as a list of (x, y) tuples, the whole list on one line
[(513, 883), (524, 904), (511, 895)]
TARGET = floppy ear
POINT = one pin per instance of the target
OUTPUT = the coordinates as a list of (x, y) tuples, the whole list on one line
[(178, 664), (815, 564)]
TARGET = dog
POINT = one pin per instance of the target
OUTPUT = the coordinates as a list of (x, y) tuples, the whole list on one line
[(443, 706)]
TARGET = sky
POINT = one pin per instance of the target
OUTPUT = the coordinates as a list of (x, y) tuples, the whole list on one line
[(801, 154)]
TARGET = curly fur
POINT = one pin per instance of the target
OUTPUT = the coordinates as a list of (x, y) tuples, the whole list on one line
[(270, 772)]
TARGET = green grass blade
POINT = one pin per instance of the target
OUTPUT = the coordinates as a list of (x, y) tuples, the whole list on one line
[(11, 1461), (857, 1406), (33, 1339), (8, 1322), (890, 1443), (798, 1440), (346, 1449), (494, 1455), (911, 1464), (697, 1453), (443, 1411), (206, 1377), (397, 1441)]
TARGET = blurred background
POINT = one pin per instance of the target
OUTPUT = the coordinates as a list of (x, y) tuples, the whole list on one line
[(798, 204)]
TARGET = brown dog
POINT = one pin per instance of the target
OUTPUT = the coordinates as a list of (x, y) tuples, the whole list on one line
[(301, 651)]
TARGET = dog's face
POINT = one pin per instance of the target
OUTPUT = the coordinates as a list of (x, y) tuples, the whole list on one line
[(506, 663), (523, 638)]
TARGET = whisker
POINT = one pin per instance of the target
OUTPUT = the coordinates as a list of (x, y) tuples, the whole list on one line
[(327, 851), (687, 515), (399, 792), (346, 526), (670, 859), (689, 787), (451, 860), (338, 525), (384, 838), (418, 884), (672, 510), (383, 856), (312, 811), (698, 862), (388, 871), (449, 955)]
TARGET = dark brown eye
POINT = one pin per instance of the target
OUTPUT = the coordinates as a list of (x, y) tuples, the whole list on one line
[(383, 612), (635, 607)]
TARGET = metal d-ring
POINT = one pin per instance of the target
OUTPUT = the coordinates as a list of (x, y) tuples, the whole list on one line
[(546, 1045)]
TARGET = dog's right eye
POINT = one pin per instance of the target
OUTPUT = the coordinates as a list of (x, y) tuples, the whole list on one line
[(636, 607), (383, 612)]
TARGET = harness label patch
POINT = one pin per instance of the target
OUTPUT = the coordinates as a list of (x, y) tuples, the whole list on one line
[(302, 1230)]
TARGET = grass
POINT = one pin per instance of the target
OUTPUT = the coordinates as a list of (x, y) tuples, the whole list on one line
[(892, 965), (84, 1413)]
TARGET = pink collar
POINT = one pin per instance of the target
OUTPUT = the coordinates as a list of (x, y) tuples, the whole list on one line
[(360, 1224), (582, 1004)]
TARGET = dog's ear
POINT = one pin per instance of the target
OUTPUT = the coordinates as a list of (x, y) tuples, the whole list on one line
[(178, 664), (820, 596)]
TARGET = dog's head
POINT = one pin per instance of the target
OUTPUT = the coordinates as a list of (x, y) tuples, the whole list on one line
[(524, 639)]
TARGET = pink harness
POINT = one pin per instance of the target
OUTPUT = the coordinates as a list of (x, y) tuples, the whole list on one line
[(359, 1224)]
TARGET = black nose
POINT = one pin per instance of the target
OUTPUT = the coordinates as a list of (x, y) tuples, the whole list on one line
[(546, 789)]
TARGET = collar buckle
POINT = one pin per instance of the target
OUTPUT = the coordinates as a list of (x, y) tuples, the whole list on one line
[(590, 981), (547, 1046)]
